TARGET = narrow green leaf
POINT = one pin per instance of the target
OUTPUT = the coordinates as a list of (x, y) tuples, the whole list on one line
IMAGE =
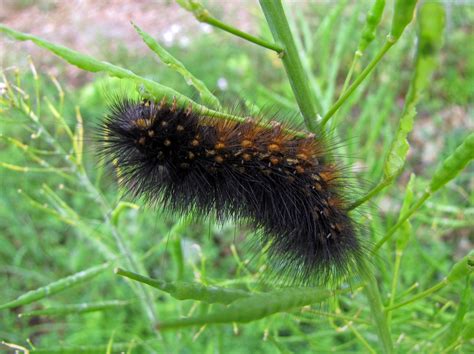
[(454, 164), (424, 67), (255, 307), (189, 291), (56, 287), (173, 63), (403, 14), (76, 308)]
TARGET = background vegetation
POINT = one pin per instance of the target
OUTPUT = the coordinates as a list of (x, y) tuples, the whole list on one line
[(62, 214)]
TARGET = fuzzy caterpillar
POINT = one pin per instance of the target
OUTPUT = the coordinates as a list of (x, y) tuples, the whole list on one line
[(283, 183)]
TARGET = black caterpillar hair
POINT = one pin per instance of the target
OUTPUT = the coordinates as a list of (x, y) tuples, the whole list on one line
[(284, 183)]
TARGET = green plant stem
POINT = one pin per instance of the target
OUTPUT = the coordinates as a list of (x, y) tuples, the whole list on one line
[(372, 293), (400, 222), (421, 295), (207, 18), (280, 29), (396, 274), (348, 79), (388, 44), (374, 191)]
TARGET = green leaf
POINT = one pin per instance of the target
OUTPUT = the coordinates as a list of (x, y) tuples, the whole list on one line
[(189, 291), (255, 307), (56, 287), (173, 63)]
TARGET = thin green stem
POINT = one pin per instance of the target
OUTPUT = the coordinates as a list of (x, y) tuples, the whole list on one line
[(388, 44), (203, 15), (372, 293), (280, 29), (223, 26), (393, 291), (421, 295), (400, 222), (347, 81), (361, 338), (373, 192)]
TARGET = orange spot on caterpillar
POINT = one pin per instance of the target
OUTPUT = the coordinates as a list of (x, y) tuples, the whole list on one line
[(327, 176), (299, 169), (220, 145), (303, 157), (246, 157), (141, 123), (219, 159), (142, 140), (167, 142), (274, 147), (246, 143), (195, 142)]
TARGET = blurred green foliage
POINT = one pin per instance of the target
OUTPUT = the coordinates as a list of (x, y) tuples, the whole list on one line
[(63, 214)]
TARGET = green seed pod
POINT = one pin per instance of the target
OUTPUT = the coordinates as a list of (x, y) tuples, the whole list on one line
[(462, 268), (454, 164), (371, 22), (402, 16), (430, 28)]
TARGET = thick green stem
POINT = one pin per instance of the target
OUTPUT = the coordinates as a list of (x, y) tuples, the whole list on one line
[(372, 293), (388, 44), (280, 29)]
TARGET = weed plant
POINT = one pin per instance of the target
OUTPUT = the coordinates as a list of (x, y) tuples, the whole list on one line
[(85, 270)]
